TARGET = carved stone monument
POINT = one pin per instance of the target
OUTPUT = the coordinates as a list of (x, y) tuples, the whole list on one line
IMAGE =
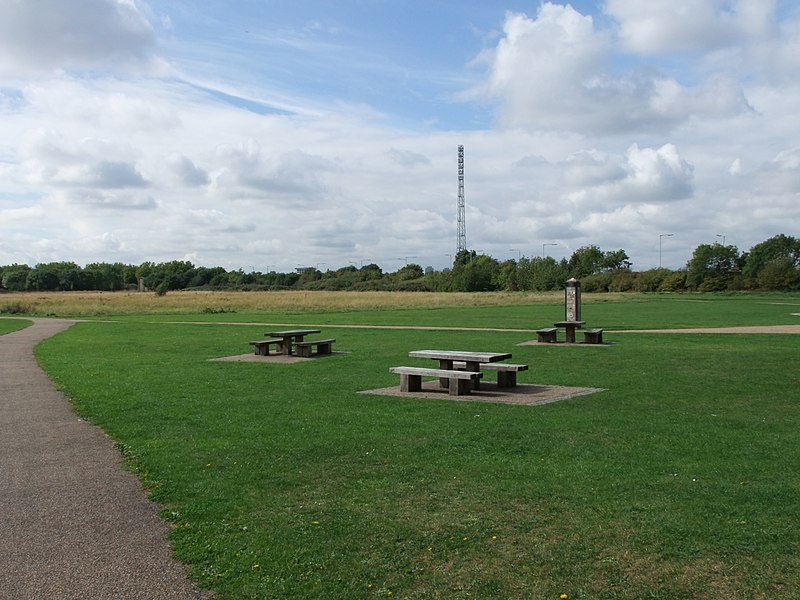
[(572, 300)]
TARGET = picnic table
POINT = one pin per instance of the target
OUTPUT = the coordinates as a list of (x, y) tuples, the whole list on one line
[(472, 361), (569, 329), (290, 336)]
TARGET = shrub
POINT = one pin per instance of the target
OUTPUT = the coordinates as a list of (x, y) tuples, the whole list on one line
[(675, 282), (16, 308), (597, 283), (623, 281)]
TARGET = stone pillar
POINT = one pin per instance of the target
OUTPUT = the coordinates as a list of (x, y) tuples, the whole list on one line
[(572, 300), (140, 287)]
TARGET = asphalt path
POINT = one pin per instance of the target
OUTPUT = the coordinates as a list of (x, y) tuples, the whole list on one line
[(73, 523)]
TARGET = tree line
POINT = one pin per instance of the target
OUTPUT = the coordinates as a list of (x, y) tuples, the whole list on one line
[(770, 265)]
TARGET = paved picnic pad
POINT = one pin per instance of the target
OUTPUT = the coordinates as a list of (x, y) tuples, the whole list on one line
[(521, 394), (75, 523)]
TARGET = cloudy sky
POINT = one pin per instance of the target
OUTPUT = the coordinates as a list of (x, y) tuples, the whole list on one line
[(269, 134)]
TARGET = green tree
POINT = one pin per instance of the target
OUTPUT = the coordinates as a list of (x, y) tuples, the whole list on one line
[(507, 277), (774, 263), (543, 274), (713, 267), (479, 275), (464, 257), (615, 260), (409, 272), (308, 275), (587, 260), (104, 276), (15, 277), (42, 278), (370, 272)]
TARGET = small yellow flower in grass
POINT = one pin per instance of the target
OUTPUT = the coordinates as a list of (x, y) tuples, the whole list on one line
[(208, 466), (315, 522), (256, 567), (494, 537), (389, 593), (564, 596), (465, 538)]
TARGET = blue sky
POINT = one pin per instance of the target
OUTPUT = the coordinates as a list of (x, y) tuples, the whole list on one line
[(272, 135), (410, 61)]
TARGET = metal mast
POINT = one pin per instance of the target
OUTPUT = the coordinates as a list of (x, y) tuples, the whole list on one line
[(462, 225)]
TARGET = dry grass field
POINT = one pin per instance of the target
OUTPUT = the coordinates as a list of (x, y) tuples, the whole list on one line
[(116, 303)]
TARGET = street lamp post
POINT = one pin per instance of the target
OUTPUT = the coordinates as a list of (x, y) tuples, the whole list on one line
[(721, 235), (519, 253), (660, 237), (550, 244)]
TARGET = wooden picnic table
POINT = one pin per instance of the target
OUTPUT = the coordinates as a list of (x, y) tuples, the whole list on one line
[(472, 360), (290, 336), (569, 329)]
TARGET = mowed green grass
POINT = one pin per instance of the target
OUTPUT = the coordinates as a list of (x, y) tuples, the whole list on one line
[(8, 325), (678, 481)]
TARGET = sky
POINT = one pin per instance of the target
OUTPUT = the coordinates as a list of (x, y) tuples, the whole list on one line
[(270, 135)]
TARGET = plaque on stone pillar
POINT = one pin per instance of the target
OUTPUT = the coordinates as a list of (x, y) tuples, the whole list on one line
[(572, 300)]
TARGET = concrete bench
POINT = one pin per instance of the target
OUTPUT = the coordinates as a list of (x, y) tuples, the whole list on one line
[(547, 335), (323, 347), (262, 346), (459, 382), (506, 372), (593, 336)]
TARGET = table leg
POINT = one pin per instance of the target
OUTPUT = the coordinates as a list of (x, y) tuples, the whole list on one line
[(444, 382), (474, 366), (570, 334)]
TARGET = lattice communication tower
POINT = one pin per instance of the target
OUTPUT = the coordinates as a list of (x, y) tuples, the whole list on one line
[(462, 224)]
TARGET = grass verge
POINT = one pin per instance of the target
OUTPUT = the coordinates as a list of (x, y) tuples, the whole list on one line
[(7, 325)]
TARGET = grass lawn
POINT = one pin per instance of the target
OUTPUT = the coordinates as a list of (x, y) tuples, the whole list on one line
[(8, 325), (678, 481)]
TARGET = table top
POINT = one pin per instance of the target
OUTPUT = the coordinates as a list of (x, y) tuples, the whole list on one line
[(481, 357), (293, 332), (569, 323)]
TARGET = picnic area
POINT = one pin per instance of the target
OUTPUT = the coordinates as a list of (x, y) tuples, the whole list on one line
[(672, 476)]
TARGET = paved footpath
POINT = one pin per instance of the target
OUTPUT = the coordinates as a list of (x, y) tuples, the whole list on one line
[(73, 523)]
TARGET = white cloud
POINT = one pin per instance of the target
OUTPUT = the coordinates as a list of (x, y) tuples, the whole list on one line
[(555, 72), (672, 26), (187, 172), (47, 35), (600, 144), (643, 176)]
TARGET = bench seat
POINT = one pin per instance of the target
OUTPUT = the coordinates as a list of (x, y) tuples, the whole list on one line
[(460, 382), (506, 372), (593, 336), (323, 347), (547, 335), (262, 346)]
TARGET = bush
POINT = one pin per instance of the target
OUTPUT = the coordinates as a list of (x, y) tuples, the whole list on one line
[(597, 283), (16, 308), (623, 281), (675, 282)]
